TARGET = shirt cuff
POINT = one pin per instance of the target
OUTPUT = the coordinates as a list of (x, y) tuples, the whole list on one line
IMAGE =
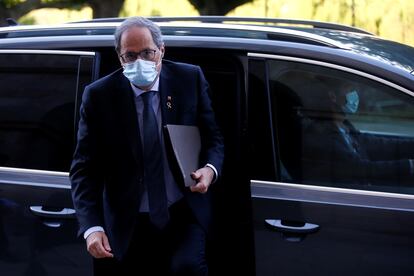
[(92, 230), (214, 170)]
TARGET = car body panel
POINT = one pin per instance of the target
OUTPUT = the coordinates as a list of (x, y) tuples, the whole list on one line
[(360, 233), (37, 237)]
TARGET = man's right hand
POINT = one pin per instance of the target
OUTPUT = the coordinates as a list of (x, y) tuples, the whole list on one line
[(98, 245)]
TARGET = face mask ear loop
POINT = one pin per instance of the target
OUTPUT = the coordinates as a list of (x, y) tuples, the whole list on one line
[(159, 62)]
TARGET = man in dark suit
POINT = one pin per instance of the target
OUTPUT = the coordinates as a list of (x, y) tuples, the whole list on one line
[(134, 215)]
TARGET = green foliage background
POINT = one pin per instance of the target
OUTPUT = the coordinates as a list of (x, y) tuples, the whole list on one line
[(391, 19)]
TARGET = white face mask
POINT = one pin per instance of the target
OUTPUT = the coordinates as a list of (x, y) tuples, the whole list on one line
[(352, 102), (141, 73)]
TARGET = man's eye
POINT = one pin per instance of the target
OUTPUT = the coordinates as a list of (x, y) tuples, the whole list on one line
[(131, 55)]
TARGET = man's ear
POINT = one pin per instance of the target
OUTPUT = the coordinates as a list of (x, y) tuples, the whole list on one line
[(162, 50), (120, 61)]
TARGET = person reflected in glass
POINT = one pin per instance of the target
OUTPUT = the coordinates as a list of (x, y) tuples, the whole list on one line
[(336, 151)]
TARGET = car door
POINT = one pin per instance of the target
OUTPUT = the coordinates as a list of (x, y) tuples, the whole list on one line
[(38, 228), (322, 205)]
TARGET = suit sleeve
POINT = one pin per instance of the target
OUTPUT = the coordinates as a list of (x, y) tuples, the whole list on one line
[(328, 158), (347, 166), (392, 148), (87, 184), (211, 139), (351, 164)]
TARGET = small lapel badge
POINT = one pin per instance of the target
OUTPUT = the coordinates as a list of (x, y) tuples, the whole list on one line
[(169, 102)]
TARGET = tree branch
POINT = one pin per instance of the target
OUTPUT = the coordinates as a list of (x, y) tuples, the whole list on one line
[(216, 7), (65, 4), (23, 8)]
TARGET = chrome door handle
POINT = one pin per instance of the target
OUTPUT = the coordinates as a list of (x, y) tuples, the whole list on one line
[(64, 213), (278, 225)]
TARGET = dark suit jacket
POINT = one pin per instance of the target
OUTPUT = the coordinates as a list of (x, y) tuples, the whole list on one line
[(377, 160), (107, 170)]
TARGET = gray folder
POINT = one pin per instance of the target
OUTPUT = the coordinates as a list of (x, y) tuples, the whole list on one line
[(186, 145)]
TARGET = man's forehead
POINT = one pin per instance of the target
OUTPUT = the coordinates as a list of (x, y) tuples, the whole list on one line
[(137, 35)]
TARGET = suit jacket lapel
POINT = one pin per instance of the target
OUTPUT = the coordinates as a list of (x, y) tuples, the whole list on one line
[(167, 97), (125, 107)]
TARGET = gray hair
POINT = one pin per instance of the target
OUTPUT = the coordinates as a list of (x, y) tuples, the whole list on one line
[(138, 21)]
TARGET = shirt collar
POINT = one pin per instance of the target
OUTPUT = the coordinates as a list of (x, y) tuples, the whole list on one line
[(138, 92)]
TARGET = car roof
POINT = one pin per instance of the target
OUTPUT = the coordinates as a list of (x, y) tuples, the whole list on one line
[(308, 32), (170, 28)]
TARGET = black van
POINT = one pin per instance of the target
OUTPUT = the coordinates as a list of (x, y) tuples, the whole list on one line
[(318, 121)]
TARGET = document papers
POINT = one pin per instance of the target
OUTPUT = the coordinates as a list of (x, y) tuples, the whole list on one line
[(186, 145)]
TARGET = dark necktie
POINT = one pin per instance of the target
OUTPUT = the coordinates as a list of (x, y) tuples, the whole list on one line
[(153, 165)]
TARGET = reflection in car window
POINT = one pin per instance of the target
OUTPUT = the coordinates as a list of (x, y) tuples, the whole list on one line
[(337, 129), (37, 98)]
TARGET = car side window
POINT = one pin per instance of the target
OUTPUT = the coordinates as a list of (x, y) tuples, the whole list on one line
[(261, 144), (37, 98), (335, 128)]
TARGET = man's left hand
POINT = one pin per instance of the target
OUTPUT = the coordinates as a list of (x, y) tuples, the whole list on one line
[(203, 178)]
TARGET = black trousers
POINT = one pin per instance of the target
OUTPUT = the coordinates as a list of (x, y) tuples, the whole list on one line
[(178, 249)]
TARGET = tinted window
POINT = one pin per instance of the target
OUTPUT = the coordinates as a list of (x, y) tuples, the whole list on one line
[(37, 104), (261, 140), (337, 129)]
